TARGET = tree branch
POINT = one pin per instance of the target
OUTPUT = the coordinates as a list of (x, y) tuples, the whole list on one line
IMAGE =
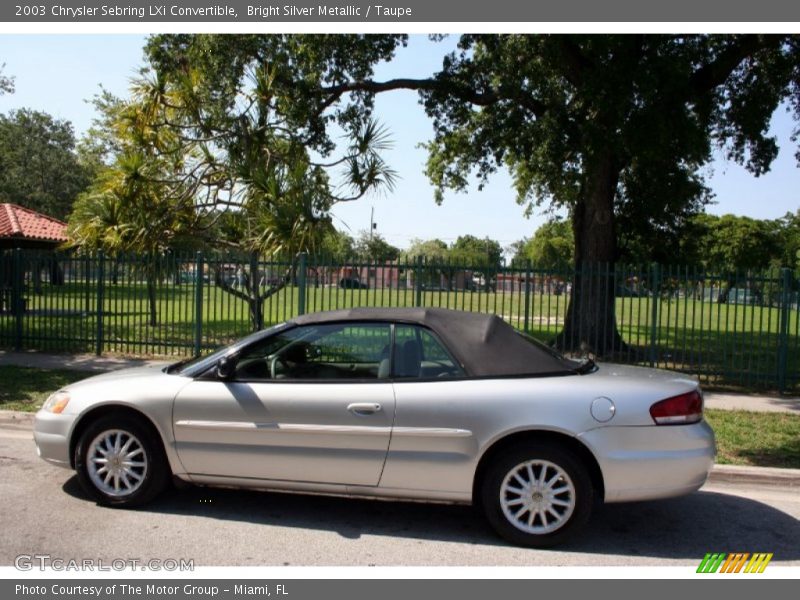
[(442, 84), (713, 74), (575, 61)]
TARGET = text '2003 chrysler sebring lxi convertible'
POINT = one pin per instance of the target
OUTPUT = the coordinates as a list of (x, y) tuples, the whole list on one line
[(418, 404)]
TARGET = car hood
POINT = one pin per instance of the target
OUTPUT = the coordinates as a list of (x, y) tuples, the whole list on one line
[(141, 386), (120, 376)]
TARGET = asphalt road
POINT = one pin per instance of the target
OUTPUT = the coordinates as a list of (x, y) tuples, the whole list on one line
[(45, 512)]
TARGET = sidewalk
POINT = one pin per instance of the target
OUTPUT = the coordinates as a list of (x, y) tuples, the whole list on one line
[(98, 364), (75, 362)]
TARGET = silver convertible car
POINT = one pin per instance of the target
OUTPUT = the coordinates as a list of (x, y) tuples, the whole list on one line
[(417, 404)]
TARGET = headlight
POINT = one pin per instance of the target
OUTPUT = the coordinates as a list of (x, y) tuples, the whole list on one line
[(57, 402)]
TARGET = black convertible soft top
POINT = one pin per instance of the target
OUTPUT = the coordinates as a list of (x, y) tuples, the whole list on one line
[(484, 344)]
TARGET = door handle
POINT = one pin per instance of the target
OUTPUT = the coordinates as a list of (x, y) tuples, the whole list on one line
[(364, 408)]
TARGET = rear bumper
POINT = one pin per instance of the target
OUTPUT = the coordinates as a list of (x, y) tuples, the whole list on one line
[(651, 462), (51, 434)]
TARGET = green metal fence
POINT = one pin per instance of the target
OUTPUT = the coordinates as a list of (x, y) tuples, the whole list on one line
[(736, 329)]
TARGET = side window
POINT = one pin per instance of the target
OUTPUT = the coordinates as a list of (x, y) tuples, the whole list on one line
[(353, 351), (419, 354)]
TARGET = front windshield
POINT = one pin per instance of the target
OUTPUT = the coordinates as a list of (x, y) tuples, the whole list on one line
[(198, 364)]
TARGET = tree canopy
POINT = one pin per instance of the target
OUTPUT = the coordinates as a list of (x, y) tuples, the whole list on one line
[(471, 251), (6, 82), (615, 128), (39, 166), (435, 251), (552, 247), (374, 247)]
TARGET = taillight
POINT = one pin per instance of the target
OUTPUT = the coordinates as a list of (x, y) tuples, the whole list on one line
[(678, 410)]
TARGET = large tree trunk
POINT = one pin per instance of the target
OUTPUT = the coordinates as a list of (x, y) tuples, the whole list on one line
[(590, 324)]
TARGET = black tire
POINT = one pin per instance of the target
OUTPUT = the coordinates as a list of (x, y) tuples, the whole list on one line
[(146, 482), (546, 461)]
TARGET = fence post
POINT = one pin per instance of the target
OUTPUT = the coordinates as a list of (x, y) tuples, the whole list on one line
[(258, 312), (98, 349), (199, 264), (17, 302), (783, 328), (655, 287), (527, 295), (301, 284), (87, 278), (418, 282)]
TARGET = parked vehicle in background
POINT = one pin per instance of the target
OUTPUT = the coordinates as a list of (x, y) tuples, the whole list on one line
[(352, 283)]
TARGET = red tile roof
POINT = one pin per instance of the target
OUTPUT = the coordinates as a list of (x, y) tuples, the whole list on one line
[(19, 222)]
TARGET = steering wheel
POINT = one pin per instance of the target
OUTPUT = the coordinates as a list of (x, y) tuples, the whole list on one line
[(273, 365)]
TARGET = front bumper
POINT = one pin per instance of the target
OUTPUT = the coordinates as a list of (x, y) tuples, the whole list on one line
[(651, 462), (51, 434)]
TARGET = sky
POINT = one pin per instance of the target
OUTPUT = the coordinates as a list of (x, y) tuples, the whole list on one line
[(58, 74)]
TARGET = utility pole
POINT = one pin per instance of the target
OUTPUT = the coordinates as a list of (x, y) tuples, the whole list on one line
[(371, 222)]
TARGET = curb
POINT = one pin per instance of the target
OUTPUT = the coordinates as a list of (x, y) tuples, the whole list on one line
[(16, 419), (755, 476)]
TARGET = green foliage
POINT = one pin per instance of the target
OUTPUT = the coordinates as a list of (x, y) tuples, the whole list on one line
[(552, 247), (466, 251), (756, 439), (480, 253), (434, 251), (735, 243), (789, 234), (254, 135), (26, 388), (6, 82), (375, 248), (337, 246), (127, 209), (575, 116), (39, 167)]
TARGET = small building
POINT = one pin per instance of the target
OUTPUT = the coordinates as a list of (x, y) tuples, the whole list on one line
[(22, 227), (27, 229)]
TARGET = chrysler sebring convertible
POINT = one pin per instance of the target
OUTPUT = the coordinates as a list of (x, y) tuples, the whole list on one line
[(407, 403)]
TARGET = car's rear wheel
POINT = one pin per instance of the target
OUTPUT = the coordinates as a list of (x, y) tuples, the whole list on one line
[(120, 461), (537, 495)]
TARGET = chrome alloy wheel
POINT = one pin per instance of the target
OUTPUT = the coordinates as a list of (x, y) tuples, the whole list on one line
[(537, 496), (117, 462)]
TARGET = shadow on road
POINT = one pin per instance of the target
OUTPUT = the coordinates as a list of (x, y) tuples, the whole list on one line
[(680, 528)]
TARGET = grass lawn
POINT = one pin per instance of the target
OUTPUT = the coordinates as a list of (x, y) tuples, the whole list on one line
[(26, 388), (756, 439), (725, 345), (743, 438)]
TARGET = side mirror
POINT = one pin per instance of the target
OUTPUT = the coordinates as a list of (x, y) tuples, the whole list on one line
[(226, 366)]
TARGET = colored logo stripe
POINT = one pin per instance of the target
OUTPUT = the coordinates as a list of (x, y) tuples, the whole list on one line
[(758, 563), (734, 562)]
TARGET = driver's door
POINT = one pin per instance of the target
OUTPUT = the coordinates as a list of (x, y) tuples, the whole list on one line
[(309, 404)]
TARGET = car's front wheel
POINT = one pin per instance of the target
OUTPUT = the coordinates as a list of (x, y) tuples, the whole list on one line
[(120, 461), (537, 495)]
